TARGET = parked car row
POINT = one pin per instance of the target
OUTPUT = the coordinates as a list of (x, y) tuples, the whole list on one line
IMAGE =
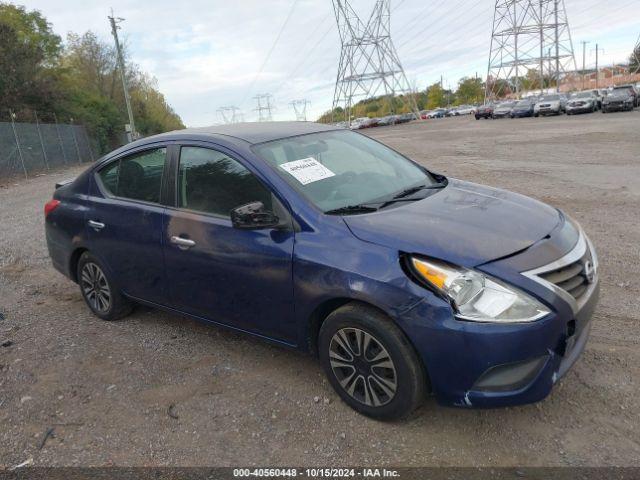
[(449, 112), (623, 97), (366, 122)]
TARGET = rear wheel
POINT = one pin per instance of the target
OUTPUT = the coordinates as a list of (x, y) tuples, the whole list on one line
[(99, 291), (370, 363)]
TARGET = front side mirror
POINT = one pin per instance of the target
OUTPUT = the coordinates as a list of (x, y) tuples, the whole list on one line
[(253, 216)]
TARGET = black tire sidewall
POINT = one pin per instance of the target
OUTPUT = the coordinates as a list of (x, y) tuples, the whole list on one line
[(119, 305), (412, 384)]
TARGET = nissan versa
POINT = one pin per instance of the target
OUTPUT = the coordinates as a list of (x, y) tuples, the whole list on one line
[(402, 281)]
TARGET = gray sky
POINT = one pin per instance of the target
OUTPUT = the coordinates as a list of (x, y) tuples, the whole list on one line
[(207, 53)]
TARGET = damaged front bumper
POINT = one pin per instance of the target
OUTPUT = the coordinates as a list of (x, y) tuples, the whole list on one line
[(486, 365)]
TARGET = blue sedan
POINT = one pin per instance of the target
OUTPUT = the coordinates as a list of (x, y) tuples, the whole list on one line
[(402, 281)]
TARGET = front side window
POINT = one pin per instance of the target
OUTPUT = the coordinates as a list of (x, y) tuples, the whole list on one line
[(338, 169), (209, 181), (137, 177)]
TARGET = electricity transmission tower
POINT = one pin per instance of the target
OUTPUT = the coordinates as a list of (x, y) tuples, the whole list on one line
[(264, 107), (530, 38), (229, 114), (114, 31), (300, 109), (369, 64)]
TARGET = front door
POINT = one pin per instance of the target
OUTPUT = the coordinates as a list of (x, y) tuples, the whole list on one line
[(242, 278)]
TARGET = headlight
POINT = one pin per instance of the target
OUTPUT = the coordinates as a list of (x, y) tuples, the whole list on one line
[(478, 297)]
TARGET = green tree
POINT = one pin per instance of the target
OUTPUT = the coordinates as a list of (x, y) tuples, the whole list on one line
[(435, 96), (33, 30), (80, 81), (28, 48), (470, 91)]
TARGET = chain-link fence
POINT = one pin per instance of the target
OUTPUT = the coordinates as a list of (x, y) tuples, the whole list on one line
[(27, 148)]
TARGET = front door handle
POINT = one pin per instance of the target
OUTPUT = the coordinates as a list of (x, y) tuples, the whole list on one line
[(97, 226), (183, 243)]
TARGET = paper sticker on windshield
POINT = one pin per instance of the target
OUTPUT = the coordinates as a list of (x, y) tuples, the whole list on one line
[(307, 170)]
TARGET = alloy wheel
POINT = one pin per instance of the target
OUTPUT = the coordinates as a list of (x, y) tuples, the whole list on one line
[(95, 287), (363, 367)]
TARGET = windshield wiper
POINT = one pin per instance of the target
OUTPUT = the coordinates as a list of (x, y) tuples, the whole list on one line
[(352, 209), (400, 197), (412, 190)]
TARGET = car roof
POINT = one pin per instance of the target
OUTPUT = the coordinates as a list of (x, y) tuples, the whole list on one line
[(247, 133), (250, 132)]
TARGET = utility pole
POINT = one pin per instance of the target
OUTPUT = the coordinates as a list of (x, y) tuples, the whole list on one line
[(114, 31), (598, 50), (557, 75), (584, 60), (541, 27)]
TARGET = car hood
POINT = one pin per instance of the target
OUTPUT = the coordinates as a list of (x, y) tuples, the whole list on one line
[(464, 223)]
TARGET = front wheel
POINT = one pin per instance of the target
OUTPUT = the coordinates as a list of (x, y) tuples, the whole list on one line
[(370, 363), (99, 290)]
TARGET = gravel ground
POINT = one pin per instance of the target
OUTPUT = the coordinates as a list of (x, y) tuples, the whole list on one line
[(158, 389)]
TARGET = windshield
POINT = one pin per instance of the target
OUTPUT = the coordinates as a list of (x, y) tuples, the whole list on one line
[(523, 103), (506, 105), (582, 95), (551, 98), (340, 168)]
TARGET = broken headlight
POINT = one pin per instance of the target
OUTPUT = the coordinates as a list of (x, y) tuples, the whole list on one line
[(476, 296)]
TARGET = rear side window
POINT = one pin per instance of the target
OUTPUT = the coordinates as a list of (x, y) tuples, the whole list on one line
[(138, 177), (211, 182)]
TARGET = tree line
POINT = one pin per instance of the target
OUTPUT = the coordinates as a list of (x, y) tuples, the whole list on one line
[(77, 80), (469, 91)]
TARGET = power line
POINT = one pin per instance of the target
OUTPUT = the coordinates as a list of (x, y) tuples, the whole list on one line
[(273, 46)]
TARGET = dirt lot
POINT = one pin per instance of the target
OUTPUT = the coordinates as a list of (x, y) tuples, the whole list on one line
[(106, 388)]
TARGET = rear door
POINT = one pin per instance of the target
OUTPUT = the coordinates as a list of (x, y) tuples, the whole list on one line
[(124, 221), (242, 278)]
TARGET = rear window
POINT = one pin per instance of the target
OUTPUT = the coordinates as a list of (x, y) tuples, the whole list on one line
[(137, 177)]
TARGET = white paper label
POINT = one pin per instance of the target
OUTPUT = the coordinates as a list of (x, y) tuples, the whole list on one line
[(307, 170)]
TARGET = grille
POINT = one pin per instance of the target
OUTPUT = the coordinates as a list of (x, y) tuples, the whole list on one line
[(571, 278)]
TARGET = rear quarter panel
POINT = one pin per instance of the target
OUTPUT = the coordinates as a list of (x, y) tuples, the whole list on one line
[(65, 226)]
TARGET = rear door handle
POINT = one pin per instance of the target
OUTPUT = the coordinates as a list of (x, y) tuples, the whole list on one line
[(97, 226), (183, 243)]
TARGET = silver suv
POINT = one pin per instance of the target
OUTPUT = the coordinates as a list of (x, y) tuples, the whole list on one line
[(549, 105)]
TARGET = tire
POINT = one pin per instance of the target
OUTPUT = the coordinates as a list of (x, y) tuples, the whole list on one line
[(604, 110), (536, 115), (100, 291), (341, 336), (477, 117)]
